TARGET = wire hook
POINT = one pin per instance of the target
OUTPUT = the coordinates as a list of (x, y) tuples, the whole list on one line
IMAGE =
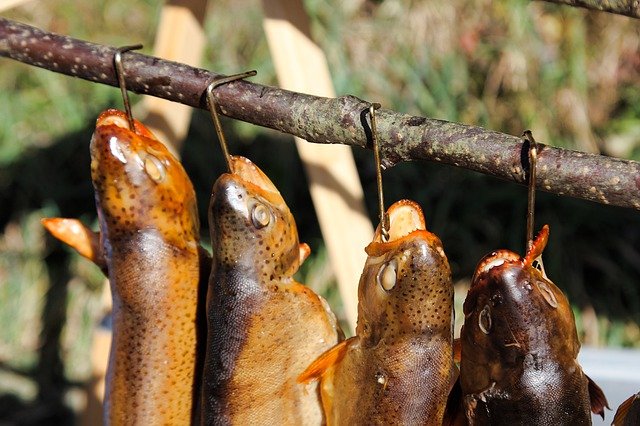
[(384, 217), (211, 103), (117, 61), (531, 196)]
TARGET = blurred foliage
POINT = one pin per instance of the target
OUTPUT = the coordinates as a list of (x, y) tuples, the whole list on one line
[(569, 75)]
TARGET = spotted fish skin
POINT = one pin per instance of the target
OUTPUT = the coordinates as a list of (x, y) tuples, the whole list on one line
[(264, 328), (149, 233), (519, 347), (398, 369)]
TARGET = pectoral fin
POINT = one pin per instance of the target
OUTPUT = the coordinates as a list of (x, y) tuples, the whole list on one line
[(325, 361), (457, 351), (83, 240), (305, 251), (598, 400), (628, 412), (453, 412)]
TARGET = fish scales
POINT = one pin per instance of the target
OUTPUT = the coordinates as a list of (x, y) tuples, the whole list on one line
[(264, 328), (519, 347), (399, 368), (149, 246)]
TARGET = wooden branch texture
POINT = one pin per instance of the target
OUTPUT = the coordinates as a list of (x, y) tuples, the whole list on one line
[(619, 7), (334, 120)]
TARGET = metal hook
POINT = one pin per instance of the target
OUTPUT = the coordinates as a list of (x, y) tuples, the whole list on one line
[(531, 196), (117, 60), (384, 217), (211, 103)]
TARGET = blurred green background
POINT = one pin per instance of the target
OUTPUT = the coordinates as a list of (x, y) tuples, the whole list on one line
[(569, 75)]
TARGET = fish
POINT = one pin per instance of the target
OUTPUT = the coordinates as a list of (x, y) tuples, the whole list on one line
[(263, 327), (628, 413), (398, 369), (148, 245), (519, 346)]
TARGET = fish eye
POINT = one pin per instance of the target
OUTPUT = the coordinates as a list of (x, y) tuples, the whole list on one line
[(484, 319), (154, 168), (547, 294), (386, 277), (260, 216)]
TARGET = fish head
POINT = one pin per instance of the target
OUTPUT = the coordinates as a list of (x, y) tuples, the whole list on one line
[(405, 288), (139, 184), (250, 222), (513, 310)]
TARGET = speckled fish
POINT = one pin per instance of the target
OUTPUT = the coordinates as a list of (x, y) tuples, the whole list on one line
[(628, 413), (264, 328), (148, 245), (519, 347), (399, 367)]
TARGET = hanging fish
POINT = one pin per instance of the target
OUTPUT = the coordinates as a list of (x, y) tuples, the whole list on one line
[(263, 326), (628, 414), (519, 347), (148, 245), (399, 367)]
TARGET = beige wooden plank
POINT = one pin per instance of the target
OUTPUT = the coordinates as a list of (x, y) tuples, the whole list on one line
[(180, 37), (9, 4), (333, 179)]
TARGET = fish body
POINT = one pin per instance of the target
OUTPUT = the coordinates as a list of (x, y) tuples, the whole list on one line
[(628, 413), (148, 245), (399, 367), (519, 347), (264, 327)]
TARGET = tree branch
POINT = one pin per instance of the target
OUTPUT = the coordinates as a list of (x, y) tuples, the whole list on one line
[(334, 120), (619, 7)]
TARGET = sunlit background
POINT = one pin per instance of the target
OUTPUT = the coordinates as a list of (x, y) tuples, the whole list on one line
[(569, 75)]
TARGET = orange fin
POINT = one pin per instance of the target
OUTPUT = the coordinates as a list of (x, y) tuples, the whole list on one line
[(453, 412), (457, 351), (620, 418), (305, 251), (73, 233), (539, 243), (325, 361), (598, 400)]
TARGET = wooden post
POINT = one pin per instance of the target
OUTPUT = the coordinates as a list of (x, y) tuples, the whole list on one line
[(180, 38), (333, 178)]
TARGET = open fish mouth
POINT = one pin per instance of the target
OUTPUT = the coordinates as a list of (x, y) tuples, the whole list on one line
[(494, 260)]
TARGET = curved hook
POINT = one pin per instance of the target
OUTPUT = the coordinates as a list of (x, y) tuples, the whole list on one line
[(531, 196), (117, 61), (211, 103), (384, 217)]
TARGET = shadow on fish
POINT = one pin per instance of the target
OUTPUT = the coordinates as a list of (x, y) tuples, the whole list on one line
[(263, 327), (398, 369), (148, 246), (519, 347)]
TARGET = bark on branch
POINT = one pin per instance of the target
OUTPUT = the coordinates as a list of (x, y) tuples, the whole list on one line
[(619, 7), (334, 120)]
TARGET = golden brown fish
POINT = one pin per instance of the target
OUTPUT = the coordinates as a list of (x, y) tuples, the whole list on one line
[(628, 414), (149, 246), (264, 327), (519, 347), (399, 368)]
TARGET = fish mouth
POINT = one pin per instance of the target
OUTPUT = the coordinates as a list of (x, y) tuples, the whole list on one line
[(405, 216), (406, 221), (494, 260)]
